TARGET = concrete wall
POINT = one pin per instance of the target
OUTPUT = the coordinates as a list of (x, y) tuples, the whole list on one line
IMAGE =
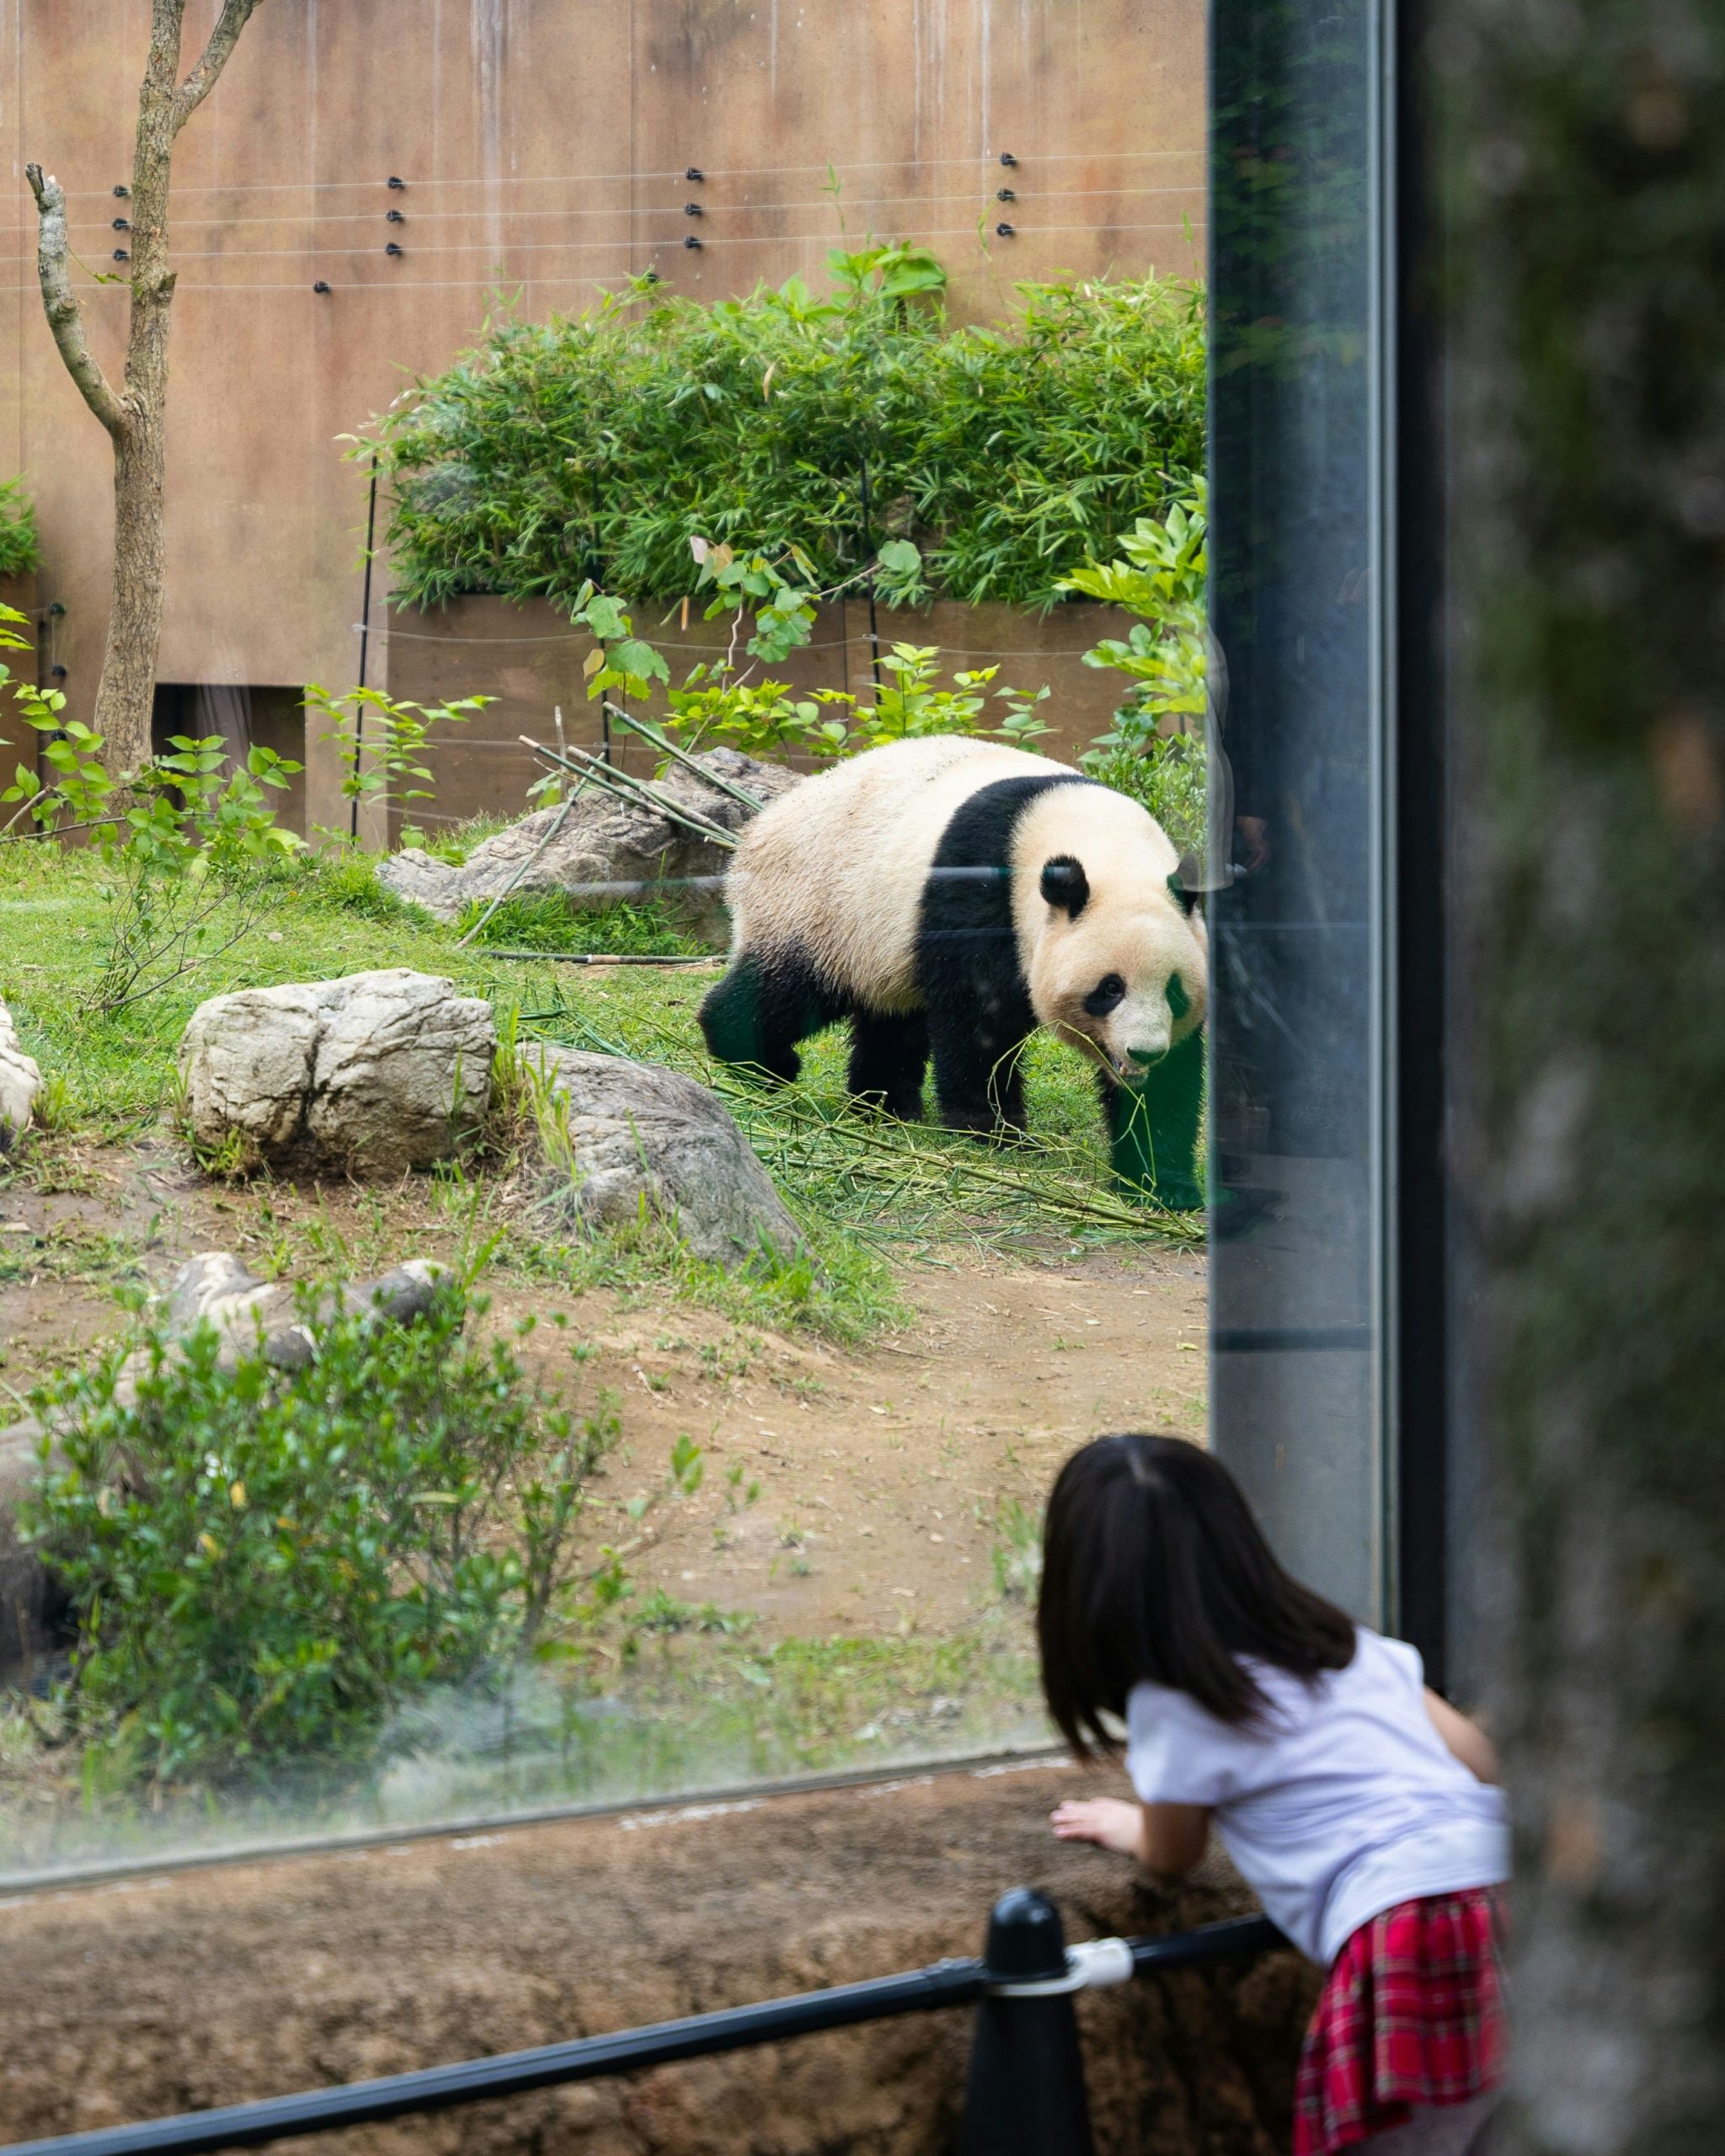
[(542, 143)]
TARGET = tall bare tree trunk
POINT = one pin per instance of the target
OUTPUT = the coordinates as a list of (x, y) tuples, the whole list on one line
[(136, 414), (1584, 165)]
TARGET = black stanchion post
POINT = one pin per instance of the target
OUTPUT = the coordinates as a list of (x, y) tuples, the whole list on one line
[(1026, 2095)]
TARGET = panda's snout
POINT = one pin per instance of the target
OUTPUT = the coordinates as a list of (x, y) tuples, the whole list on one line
[(1136, 1061)]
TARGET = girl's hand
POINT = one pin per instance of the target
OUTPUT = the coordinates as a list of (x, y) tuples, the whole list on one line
[(1103, 1820)]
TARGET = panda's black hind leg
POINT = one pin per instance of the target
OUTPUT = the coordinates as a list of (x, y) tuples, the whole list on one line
[(757, 1014), (888, 1055)]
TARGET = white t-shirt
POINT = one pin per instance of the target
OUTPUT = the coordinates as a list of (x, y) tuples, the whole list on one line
[(1340, 1804)]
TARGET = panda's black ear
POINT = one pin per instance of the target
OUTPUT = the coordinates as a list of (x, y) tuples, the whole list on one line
[(1065, 885), (1183, 884)]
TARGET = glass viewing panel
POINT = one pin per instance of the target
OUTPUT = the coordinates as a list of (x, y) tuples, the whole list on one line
[(739, 414), (1301, 578)]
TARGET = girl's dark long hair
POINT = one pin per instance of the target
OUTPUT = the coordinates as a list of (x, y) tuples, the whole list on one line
[(1154, 1571)]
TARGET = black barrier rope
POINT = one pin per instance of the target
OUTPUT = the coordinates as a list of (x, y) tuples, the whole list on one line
[(1027, 1972)]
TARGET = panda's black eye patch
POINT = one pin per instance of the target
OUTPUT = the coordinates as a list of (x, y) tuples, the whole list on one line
[(1108, 992)]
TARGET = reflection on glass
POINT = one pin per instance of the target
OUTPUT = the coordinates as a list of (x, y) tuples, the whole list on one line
[(1297, 374), (714, 1110)]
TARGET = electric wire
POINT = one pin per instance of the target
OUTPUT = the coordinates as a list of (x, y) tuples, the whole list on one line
[(596, 246), (610, 209), (679, 173)]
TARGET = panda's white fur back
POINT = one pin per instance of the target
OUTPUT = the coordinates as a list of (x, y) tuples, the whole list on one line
[(836, 867)]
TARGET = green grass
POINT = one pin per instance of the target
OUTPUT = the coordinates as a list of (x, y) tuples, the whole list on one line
[(720, 1706), (551, 923), (896, 1187), (454, 842), (870, 1192), (675, 1700)]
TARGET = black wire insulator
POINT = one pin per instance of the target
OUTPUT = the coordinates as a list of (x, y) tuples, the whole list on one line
[(694, 172), (1006, 231), (320, 286), (1008, 158), (690, 240), (392, 248)]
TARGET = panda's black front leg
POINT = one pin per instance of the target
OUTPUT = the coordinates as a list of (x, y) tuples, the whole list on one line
[(978, 1078), (888, 1055), (1153, 1129)]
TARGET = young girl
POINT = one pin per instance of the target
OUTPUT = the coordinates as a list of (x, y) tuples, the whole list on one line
[(1355, 1801)]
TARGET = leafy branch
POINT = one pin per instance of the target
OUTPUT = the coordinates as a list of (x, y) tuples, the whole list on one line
[(387, 756)]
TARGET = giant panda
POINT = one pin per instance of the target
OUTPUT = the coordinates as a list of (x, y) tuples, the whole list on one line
[(948, 896)]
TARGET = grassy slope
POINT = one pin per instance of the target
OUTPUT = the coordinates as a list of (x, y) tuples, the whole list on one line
[(112, 1078)]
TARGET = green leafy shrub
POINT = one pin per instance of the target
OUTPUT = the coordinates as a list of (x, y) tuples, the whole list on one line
[(1151, 752), (189, 843), (1167, 773), (997, 458), (40, 708), (393, 737), (20, 548), (764, 718), (265, 1563)]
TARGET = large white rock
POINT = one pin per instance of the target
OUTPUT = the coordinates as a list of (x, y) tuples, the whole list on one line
[(602, 850), (627, 1134), (20, 1081), (367, 1076)]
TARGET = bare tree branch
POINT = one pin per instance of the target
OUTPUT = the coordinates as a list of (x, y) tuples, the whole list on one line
[(65, 316), (197, 85)]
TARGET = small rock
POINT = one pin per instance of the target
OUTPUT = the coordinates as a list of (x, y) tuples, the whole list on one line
[(631, 1132), (367, 1076), (20, 1081), (32, 1602), (603, 850), (248, 1313)]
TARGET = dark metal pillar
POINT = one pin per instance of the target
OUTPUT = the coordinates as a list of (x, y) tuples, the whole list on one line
[(1026, 2095)]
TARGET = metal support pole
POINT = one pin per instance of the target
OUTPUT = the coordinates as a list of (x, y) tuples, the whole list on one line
[(1026, 2095), (874, 620), (365, 644)]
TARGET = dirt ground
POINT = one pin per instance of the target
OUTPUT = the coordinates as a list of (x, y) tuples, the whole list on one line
[(159, 1994), (882, 1477)]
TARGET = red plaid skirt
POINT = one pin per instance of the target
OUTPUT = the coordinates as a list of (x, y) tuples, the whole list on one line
[(1410, 2014)]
